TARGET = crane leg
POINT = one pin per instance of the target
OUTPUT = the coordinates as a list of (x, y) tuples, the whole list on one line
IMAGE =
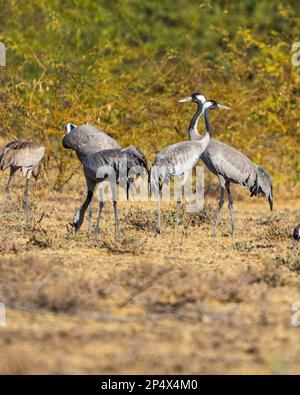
[(90, 214), (26, 203), (97, 229), (178, 204), (117, 227), (230, 206), (79, 216), (6, 190), (218, 216), (101, 206), (158, 212)]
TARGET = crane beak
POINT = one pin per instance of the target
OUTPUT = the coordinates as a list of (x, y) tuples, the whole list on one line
[(223, 107), (185, 99)]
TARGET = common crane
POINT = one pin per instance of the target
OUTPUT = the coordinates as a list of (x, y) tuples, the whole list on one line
[(26, 157), (86, 140), (230, 165), (178, 159), (108, 165)]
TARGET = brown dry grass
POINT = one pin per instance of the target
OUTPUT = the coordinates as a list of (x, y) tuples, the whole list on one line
[(147, 304)]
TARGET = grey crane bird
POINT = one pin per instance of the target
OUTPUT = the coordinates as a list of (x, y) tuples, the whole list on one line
[(26, 157), (230, 166), (86, 140), (108, 165), (178, 159)]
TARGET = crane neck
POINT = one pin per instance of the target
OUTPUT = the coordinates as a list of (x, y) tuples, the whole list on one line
[(193, 126), (207, 123), (205, 140)]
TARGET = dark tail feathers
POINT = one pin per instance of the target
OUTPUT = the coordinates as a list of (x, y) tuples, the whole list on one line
[(263, 185), (139, 154)]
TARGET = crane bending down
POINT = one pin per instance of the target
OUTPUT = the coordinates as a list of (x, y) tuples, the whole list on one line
[(178, 159), (109, 165), (86, 140), (230, 166), (26, 157)]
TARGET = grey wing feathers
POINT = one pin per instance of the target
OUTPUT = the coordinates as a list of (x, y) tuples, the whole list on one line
[(138, 155), (117, 159), (21, 154), (98, 137), (94, 162), (235, 167), (178, 158), (28, 156), (229, 163), (174, 160)]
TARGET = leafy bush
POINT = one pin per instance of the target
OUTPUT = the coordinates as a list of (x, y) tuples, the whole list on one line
[(122, 66)]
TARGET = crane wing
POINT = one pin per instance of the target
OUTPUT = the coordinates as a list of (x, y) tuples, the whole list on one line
[(138, 154), (27, 155), (178, 158), (21, 154), (228, 162)]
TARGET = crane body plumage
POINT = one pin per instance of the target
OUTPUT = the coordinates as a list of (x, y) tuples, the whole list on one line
[(85, 140), (23, 155), (120, 161), (175, 160), (233, 166)]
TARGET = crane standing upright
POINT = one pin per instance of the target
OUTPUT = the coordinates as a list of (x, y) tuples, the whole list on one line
[(26, 157), (178, 159), (230, 166)]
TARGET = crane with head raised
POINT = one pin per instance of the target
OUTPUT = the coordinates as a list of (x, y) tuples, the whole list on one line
[(230, 166), (178, 159)]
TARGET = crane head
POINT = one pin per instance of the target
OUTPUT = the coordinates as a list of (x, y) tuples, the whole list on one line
[(70, 126), (212, 104), (195, 97)]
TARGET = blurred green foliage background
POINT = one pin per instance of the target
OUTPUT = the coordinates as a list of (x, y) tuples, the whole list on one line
[(123, 65)]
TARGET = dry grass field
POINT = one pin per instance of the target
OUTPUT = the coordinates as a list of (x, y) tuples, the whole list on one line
[(173, 303)]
